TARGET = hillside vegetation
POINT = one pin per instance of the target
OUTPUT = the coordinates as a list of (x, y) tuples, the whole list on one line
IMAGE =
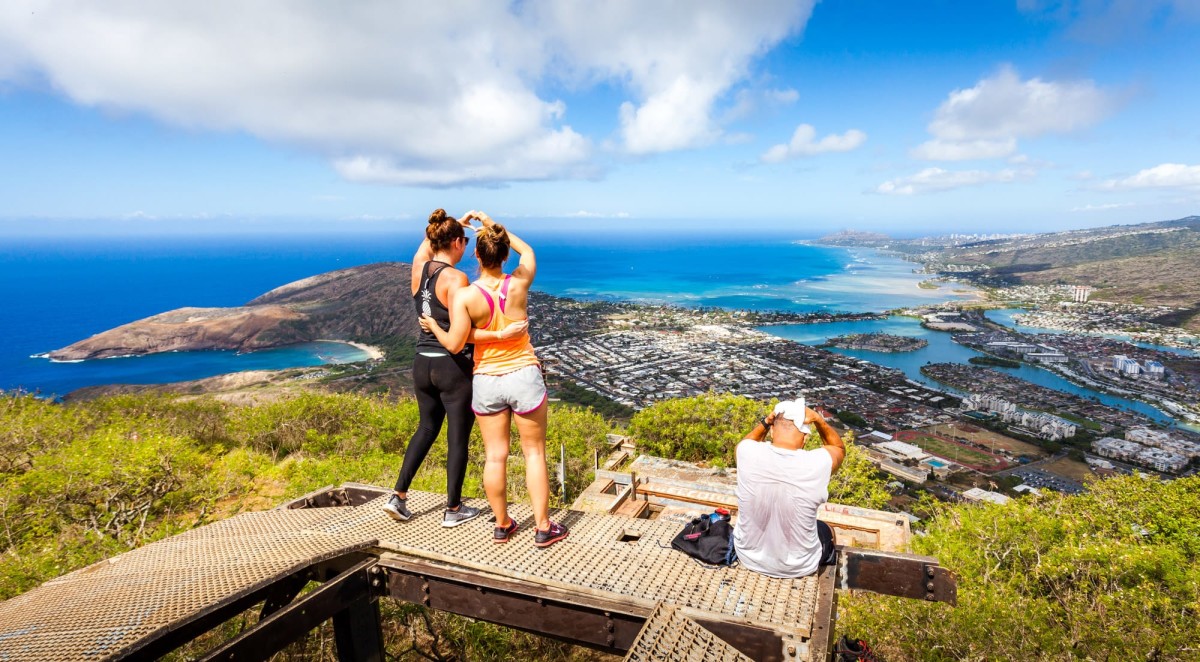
[(1107, 575), (1150, 264), (1111, 574)]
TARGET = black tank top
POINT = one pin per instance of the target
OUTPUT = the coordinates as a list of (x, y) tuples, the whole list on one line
[(427, 303)]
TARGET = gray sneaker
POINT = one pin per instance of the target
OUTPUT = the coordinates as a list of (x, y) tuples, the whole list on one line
[(456, 517), (397, 509)]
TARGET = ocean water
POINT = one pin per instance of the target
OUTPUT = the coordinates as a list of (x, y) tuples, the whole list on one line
[(60, 290), (733, 273), (63, 290), (941, 349)]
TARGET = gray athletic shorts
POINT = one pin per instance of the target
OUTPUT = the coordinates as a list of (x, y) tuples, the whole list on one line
[(522, 391)]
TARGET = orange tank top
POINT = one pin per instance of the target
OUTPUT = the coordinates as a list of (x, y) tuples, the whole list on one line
[(501, 357)]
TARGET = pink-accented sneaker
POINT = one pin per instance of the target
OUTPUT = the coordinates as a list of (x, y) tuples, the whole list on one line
[(550, 536), (501, 534)]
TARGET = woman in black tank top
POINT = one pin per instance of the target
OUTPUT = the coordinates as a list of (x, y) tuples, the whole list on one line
[(441, 381)]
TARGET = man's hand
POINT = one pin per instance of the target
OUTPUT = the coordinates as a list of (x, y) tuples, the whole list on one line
[(427, 323), (811, 416)]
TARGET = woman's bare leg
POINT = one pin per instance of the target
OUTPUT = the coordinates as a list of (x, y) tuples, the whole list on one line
[(494, 429), (532, 428)]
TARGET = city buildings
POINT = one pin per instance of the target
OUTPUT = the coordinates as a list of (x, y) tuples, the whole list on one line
[(1164, 440), (981, 495), (1028, 351), (639, 368), (1042, 425), (1126, 366), (1135, 453)]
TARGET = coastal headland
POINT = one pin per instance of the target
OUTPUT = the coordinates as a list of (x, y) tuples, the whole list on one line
[(350, 305)]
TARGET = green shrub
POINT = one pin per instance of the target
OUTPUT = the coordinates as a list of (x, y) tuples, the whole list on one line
[(1110, 574), (697, 429), (204, 421), (29, 426), (284, 427), (580, 432), (111, 483)]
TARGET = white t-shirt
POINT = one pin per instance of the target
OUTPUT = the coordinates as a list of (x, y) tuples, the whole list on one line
[(778, 493)]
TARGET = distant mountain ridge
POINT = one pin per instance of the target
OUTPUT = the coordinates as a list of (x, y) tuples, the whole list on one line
[(854, 238), (1148, 263), (369, 301)]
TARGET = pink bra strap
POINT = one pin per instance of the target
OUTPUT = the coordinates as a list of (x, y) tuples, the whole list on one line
[(491, 304), (504, 293)]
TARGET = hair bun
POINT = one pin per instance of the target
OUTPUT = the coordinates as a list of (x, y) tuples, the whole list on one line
[(438, 216)]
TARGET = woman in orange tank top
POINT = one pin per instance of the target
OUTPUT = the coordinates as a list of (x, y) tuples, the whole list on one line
[(508, 382)]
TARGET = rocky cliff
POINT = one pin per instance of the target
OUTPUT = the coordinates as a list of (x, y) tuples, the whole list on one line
[(370, 301)]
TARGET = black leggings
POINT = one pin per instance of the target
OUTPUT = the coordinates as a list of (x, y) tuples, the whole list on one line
[(443, 386)]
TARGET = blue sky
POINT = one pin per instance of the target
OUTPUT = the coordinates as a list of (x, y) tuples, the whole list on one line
[(895, 116)]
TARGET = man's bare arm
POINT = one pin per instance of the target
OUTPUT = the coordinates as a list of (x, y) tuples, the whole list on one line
[(829, 437)]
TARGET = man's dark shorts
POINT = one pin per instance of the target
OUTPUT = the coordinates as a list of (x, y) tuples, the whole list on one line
[(828, 552), (824, 534)]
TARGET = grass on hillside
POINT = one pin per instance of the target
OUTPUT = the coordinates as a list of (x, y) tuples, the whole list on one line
[(1111, 574)]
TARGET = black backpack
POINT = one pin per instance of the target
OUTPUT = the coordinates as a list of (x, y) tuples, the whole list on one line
[(707, 540)]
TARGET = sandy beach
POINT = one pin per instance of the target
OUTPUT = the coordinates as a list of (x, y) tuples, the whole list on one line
[(373, 352)]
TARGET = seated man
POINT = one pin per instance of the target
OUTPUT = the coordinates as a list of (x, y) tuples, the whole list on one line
[(779, 488)]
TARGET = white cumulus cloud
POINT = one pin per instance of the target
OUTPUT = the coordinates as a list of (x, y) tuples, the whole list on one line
[(804, 143), (783, 96), (428, 94), (678, 57), (1164, 176), (985, 121), (1104, 207), (935, 180), (964, 150)]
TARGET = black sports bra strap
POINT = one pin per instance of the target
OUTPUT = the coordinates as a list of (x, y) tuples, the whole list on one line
[(431, 276)]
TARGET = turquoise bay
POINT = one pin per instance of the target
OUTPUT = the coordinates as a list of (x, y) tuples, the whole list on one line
[(184, 366), (941, 349)]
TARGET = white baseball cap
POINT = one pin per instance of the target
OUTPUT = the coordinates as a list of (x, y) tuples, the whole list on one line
[(794, 411)]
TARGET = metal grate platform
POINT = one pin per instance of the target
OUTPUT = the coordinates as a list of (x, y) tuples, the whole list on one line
[(592, 558), (112, 608), (670, 637)]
